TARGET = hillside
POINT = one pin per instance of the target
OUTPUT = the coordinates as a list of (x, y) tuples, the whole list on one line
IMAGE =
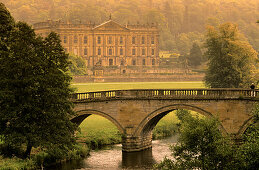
[(181, 22)]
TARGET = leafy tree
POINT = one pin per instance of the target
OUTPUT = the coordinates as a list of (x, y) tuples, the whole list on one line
[(195, 56), (248, 153), (230, 58), (182, 114), (35, 109), (200, 146), (77, 66)]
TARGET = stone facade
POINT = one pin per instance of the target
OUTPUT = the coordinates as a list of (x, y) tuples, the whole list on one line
[(109, 44)]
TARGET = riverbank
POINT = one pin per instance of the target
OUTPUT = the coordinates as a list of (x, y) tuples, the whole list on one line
[(42, 159)]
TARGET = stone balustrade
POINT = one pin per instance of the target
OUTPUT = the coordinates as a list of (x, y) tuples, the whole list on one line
[(168, 94)]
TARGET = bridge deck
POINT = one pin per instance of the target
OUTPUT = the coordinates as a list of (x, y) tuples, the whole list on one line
[(169, 94)]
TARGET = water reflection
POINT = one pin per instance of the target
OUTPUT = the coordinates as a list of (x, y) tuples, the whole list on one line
[(142, 159), (113, 158)]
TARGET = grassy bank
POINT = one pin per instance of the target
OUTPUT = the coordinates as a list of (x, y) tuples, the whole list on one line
[(97, 131), (43, 159)]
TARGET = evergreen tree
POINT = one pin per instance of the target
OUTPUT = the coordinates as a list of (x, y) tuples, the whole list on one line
[(195, 56), (230, 58), (35, 106)]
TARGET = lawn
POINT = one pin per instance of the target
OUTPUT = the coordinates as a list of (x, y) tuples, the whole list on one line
[(97, 131), (90, 87)]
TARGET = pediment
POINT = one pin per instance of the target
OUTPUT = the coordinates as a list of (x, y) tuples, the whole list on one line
[(111, 26)]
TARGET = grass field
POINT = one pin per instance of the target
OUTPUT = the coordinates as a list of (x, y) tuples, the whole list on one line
[(97, 131), (90, 87)]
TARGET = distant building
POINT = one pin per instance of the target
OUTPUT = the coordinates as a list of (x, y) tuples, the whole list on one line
[(116, 48)]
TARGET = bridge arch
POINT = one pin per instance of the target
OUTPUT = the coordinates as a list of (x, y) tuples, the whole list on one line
[(150, 121), (83, 114), (245, 126)]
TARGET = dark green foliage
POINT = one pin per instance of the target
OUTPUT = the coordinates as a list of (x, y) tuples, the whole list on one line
[(248, 153), (200, 146), (34, 92), (77, 65), (231, 58), (6, 22), (164, 130), (182, 114), (195, 56)]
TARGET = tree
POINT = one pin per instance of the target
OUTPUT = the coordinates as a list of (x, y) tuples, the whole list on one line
[(200, 146), (248, 152), (195, 56), (77, 66), (35, 106), (230, 58)]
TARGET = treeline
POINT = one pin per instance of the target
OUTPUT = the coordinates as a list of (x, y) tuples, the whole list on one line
[(182, 22)]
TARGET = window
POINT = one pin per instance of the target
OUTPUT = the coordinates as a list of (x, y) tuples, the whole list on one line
[(153, 52), (133, 62), (109, 40), (85, 51), (133, 40), (110, 62), (121, 40), (85, 39), (99, 51), (143, 51), (144, 62), (65, 39), (153, 62), (121, 51), (152, 40), (110, 51), (75, 39), (143, 40), (99, 40), (133, 51)]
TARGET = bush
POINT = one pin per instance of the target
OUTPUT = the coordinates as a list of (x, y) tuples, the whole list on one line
[(57, 154), (16, 163)]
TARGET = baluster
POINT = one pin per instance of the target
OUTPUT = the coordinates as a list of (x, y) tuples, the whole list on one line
[(91, 95)]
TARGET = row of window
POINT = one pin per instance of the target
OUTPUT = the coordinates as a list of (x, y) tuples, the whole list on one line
[(65, 40), (110, 51), (133, 62)]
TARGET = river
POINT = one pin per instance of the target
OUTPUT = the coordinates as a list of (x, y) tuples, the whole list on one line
[(111, 157)]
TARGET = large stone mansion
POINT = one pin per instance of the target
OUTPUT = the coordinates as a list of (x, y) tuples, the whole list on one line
[(117, 49)]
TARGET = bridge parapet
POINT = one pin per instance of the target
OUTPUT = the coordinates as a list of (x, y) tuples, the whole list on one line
[(169, 94)]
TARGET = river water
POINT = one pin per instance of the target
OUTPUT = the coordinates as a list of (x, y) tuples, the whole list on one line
[(112, 158)]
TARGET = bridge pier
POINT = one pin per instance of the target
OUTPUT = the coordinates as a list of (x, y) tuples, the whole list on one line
[(136, 143)]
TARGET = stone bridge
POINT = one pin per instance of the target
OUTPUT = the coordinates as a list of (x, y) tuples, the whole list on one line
[(136, 112)]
